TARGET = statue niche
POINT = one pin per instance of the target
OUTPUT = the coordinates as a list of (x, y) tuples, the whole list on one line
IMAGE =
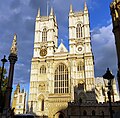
[(42, 87)]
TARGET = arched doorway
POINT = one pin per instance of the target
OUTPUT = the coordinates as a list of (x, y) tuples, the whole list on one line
[(61, 116)]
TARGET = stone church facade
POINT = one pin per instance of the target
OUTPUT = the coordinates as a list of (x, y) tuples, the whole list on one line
[(59, 76), (19, 100)]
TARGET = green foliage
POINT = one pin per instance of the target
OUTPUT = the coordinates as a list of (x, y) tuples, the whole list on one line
[(3, 85), (4, 79)]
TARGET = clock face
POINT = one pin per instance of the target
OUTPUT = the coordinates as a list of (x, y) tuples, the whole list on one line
[(43, 51), (79, 49)]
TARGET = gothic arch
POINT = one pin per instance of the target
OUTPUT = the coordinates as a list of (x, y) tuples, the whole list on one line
[(81, 86), (93, 112), (82, 96), (43, 27), (61, 79), (59, 114), (44, 34), (84, 113), (43, 69), (40, 97), (79, 22), (79, 30), (80, 66), (58, 63), (40, 103)]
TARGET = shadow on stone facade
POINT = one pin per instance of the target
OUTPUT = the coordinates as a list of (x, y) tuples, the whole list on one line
[(30, 111), (83, 107)]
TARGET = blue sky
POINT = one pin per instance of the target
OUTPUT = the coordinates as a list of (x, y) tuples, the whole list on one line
[(18, 16)]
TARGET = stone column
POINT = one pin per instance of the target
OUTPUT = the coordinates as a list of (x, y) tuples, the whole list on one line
[(12, 59)]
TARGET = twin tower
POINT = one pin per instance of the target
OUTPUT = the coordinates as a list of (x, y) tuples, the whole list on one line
[(59, 76)]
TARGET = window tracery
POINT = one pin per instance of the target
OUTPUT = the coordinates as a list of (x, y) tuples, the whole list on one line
[(80, 66), (44, 35), (42, 69), (61, 82), (79, 31)]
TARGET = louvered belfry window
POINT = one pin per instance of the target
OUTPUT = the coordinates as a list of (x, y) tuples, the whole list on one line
[(44, 35), (79, 31)]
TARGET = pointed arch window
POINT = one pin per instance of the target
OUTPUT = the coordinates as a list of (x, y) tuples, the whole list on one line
[(79, 31), (61, 83), (41, 103), (44, 35), (42, 69), (81, 86), (93, 112), (80, 66), (20, 99), (84, 113), (61, 116)]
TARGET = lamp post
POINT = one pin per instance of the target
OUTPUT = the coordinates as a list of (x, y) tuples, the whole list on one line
[(108, 76), (4, 60)]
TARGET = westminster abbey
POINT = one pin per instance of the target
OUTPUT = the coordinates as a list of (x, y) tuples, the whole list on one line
[(59, 76)]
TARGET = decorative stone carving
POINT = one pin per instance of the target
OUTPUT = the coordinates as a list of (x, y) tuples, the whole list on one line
[(42, 87), (13, 49)]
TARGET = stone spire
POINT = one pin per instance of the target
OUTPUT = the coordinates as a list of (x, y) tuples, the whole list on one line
[(13, 49), (18, 85), (71, 9), (38, 15), (117, 1), (18, 88), (51, 12), (85, 7)]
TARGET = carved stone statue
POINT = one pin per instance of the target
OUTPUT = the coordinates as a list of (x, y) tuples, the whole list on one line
[(13, 49)]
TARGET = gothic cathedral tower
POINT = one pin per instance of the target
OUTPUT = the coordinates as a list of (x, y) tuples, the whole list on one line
[(115, 14), (79, 44), (59, 76)]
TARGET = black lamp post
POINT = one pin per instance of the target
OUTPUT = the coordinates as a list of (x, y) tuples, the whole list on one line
[(108, 76), (4, 60)]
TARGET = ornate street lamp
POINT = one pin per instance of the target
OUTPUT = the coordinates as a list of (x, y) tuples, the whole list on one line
[(108, 76), (4, 60)]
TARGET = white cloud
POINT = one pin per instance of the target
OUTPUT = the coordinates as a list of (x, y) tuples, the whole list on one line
[(104, 50), (16, 11), (104, 33), (19, 65)]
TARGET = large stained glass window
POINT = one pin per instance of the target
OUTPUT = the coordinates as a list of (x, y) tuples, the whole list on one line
[(61, 81)]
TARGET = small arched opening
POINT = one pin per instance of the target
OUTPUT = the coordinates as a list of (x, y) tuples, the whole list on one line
[(61, 116), (84, 113), (93, 112)]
